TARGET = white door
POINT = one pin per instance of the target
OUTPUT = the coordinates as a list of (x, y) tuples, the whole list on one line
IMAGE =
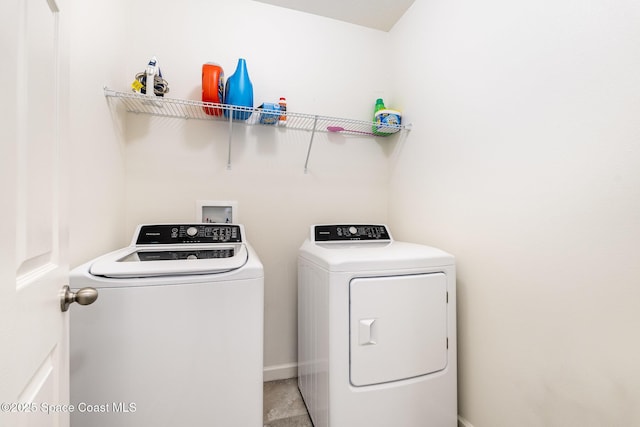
[(33, 258)]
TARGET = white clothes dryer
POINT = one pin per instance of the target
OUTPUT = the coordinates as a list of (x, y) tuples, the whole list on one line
[(175, 337), (376, 330)]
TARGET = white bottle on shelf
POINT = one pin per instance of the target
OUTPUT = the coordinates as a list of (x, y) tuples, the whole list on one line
[(283, 111)]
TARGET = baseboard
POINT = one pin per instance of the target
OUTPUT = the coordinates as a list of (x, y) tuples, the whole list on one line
[(281, 372), (463, 423)]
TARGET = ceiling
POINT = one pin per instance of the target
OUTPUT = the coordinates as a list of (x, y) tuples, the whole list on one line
[(377, 14)]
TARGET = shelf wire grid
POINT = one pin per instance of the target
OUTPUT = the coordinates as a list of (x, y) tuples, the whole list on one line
[(189, 109)]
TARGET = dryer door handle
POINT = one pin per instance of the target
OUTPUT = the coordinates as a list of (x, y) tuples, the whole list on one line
[(368, 332)]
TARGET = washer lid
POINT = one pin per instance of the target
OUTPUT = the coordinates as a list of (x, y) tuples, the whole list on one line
[(158, 260), (176, 249)]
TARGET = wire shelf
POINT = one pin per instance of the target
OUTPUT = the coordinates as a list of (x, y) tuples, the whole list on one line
[(188, 109), (233, 114)]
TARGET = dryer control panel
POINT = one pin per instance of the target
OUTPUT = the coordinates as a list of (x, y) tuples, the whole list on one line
[(350, 232), (167, 234)]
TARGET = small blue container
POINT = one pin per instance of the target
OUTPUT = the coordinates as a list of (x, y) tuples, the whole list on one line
[(270, 113)]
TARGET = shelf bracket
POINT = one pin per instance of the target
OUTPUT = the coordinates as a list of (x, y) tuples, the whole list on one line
[(230, 139), (313, 133)]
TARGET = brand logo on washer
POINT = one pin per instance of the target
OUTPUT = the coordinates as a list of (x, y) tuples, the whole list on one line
[(152, 234)]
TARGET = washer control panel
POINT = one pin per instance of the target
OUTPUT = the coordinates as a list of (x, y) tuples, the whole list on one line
[(350, 232), (167, 234)]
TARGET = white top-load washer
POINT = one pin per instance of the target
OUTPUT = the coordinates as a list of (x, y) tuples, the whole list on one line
[(376, 329), (175, 337)]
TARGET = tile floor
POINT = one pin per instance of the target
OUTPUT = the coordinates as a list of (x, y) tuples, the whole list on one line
[(283, 405)]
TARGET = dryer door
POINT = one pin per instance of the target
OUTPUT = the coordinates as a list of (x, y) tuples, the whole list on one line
[(398, 327)]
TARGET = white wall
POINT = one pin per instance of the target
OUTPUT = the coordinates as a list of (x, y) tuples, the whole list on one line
[(524, 163), (321, 66), (97, 160)]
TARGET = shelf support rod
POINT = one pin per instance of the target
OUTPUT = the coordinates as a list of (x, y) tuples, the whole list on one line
[(313, 132), (230, 138)]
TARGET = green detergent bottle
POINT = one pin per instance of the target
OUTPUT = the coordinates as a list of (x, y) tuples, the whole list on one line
[(379, 106)]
